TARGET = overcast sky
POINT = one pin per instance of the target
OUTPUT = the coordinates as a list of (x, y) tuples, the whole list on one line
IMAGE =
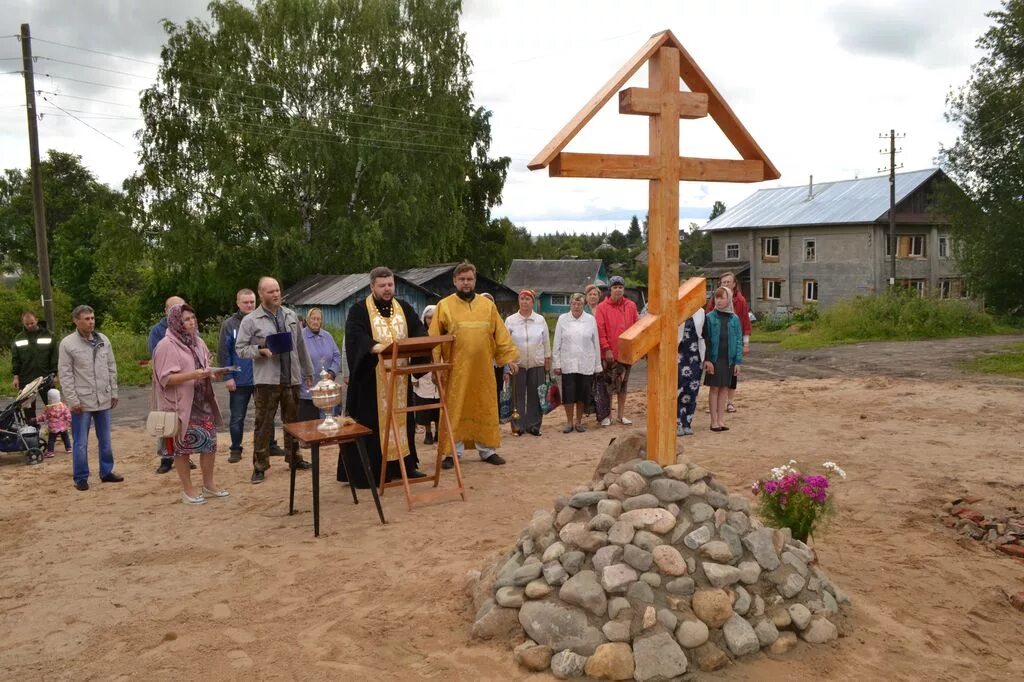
[(815, 82)]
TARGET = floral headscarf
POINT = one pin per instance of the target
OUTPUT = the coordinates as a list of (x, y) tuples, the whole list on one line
[(176, 324)]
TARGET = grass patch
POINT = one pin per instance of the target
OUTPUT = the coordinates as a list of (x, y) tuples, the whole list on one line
[(1009, 363)]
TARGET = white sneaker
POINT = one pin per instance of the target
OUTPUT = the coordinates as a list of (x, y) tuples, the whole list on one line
[(209, 493), (626, 420), (607, 421), (198, 499)]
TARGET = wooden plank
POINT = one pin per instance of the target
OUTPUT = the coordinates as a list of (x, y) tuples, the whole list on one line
[(721, 112), (569, 131), (721, 170), (650, 102), (638, 340), (620, 166)]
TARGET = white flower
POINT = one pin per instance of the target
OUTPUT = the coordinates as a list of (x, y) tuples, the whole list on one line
[(693, 347), (781, 472), (686, 400), (694, 385), (835, 469), (687, 372)]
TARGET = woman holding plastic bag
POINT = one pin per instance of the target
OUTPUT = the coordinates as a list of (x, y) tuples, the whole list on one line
[(529, 332), (576, 356)]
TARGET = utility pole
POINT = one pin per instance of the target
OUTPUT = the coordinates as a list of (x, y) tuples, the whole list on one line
[(891, 236), (38, 209)]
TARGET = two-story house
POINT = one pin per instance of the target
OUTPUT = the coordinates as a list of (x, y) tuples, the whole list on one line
[(790, 246)]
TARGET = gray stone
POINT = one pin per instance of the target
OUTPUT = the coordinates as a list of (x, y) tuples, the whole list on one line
[(697, 537), (676, 471), (830, 602), (508, 569), (739, 503), (717, 499), (640, 592), (740, 636), (615, 492), (610, 507), (622, 450), (698, 488), (816, 606), (656, 520), (581, 500), (650, 618), (632, 483), (648, 468), (532, 656), (568, 515), (638, 558), (566, 665), (672, 507), (583, 590), (645, 501), (572, 562), (766, 632), (701, 512), (691, 633), (601, 522), (616, 631), (541, 524), (647, 541), (787, 581), (605, 557), (537, 589), (559, 627), (627, 464), (682, 586), (743, 601), (553, 552), (785, 642), (739, 521), (796, 562), (575, 534), (621, 533), (527, 573), (800, 615), (819, 631), (527, 545), (555, 574), (658, 658), (496, 622), (616, 605), (716, 550), (720, 575), (667, 490), (750, 571), (762, 546), (691, 565), (695, 473), (651, 578), (617, 578), (732, 537), (667, 619), (757, 608)]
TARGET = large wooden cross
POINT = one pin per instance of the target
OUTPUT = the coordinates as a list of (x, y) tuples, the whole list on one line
[(655, 334)]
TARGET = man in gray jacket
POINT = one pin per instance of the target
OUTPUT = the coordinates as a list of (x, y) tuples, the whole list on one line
[(88, 377), (276, 376)]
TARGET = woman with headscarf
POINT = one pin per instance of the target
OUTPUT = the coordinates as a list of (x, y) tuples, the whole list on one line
[(529, 332), (424, 391), (182, 383)]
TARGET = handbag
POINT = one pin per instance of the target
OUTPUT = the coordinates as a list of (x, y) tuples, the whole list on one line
[(602, 400), (505, 403), (162, 424), (549, 394)]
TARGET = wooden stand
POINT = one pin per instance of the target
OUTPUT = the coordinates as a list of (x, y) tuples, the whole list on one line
[(417, 347)]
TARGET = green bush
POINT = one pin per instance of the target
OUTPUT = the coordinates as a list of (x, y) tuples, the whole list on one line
[(772, 322), (809, 313)]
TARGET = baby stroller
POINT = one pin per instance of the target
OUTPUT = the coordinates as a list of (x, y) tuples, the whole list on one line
[(16, 433)]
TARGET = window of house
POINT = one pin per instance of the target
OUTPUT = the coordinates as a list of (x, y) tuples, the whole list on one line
[(732, 251), (810, 290), (952, 287), (944, 247), (810, 250), (771, 289), (560, 299), (770, 249), (907, 246), (919, 286)]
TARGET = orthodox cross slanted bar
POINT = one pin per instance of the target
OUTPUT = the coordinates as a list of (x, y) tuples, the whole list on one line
[(655, 335)]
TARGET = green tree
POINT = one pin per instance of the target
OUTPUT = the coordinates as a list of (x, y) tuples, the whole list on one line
[(95, 256), (633, 234), (717, 209), (302, 136), (617, 239), (695, 247), (987, 161)]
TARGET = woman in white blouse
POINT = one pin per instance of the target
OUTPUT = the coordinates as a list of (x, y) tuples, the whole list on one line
[(577, 358), (529, 332)]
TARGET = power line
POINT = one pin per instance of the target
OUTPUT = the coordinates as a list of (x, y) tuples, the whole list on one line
[(86, 124), (87, 99), (96, 68)]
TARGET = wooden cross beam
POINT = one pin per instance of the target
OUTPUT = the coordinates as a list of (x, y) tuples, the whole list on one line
[(655, 334)]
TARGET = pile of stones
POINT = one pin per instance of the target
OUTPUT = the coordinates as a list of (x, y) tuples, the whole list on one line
[(648, 572), (1002, 529)]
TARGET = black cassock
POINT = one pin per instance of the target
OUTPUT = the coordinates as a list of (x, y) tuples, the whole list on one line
[(361, 400)]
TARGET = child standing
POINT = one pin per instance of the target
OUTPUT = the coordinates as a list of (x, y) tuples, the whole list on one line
[(58, 420), (724, 338)]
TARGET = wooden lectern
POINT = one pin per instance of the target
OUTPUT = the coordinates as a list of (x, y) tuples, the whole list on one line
[(407, 349)]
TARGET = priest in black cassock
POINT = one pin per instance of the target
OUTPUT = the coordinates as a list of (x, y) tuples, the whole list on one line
[(370, 327)]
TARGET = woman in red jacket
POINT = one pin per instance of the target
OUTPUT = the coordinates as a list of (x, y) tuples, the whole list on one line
[(742, 310)]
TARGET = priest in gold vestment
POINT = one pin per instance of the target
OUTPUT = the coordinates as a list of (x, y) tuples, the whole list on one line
[(481, 339)]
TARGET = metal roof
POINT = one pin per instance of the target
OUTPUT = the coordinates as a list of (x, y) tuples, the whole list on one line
[(863, 200), (554, 276), (426, 273), (334, 289)]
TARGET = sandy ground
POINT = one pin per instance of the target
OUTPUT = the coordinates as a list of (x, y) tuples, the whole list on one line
[(123, 581)]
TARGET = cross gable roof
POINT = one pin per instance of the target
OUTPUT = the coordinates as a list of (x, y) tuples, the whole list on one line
[(554, 276), (695, 80)]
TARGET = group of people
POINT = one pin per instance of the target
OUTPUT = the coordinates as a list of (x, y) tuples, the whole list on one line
[(255, 363)]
